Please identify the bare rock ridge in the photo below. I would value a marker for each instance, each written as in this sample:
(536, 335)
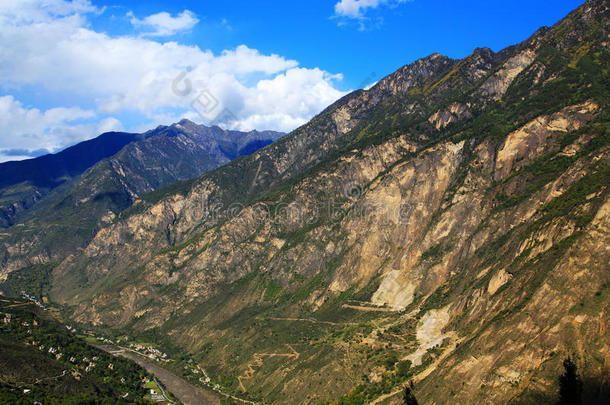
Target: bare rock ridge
(449, 227)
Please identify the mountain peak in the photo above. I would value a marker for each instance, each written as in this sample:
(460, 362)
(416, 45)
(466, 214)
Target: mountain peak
(482, 51)
(432, 60)
(413, 74)
(432, 56)
(187, 124)
(186, 121)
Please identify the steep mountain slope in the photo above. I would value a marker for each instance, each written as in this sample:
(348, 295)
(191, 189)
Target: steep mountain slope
(69, 215)
(448, 226)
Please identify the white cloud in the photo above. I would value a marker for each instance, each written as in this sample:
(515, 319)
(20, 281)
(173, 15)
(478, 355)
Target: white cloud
(34, 11)
(48, 46)
(30, 130)
(354, 8)
(302, 92)
(108, 125)
(357, 9)
(163, 24)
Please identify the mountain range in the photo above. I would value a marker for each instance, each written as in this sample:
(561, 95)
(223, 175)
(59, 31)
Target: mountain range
(55, 203)
(445, 230)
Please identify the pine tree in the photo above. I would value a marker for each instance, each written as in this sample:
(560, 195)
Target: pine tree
(570, 385)
(407, 395)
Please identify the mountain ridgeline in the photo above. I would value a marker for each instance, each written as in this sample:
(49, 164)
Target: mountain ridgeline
(50, 170)
(447, 228)
(23, 183)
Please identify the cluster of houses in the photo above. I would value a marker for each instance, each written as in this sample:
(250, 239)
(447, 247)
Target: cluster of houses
(33, 299)
(150, 352)
(153, 393)
(91, 362)
(205, 379)
(6, 318)
(88, 364)
(56, 351)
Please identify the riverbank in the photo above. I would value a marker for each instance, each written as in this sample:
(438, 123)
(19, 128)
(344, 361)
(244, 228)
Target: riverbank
(186, 393)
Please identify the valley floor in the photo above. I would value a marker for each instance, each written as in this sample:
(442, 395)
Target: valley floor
(185, 392)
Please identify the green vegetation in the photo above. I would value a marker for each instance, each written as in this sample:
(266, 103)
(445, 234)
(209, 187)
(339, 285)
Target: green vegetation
(578, 193)
(538, 173)
(434, 253)
(365, 393)
(314, 283)
(593, 304)
(408, 398)
(272, 290)
(33, 280)
(54, 366)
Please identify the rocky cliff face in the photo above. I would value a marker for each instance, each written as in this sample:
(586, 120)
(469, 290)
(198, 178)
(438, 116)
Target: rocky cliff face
(448, 226)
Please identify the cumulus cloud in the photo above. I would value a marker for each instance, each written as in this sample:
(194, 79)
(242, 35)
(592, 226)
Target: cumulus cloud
(163, 24)
(27, 132)
(50, 47)
(357, 9)
(33, 11)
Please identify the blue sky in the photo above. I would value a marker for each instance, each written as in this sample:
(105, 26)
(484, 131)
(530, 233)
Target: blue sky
(70, 69)
(391, 36)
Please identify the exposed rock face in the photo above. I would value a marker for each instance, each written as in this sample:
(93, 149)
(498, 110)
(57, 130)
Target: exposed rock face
(399, 206)
(430, 333)
(536, 137)
(497, 281)
(454, 215)
(413, 75)
(16, 201)
(454, 113)
(497, 84)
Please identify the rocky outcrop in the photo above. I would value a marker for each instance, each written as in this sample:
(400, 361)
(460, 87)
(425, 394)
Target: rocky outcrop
(495, 86)
(455, 112)
(538, 137)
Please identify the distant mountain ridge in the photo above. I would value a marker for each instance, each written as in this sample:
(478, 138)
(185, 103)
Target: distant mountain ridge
(53, 169)
(24, 183)
(53, 217)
